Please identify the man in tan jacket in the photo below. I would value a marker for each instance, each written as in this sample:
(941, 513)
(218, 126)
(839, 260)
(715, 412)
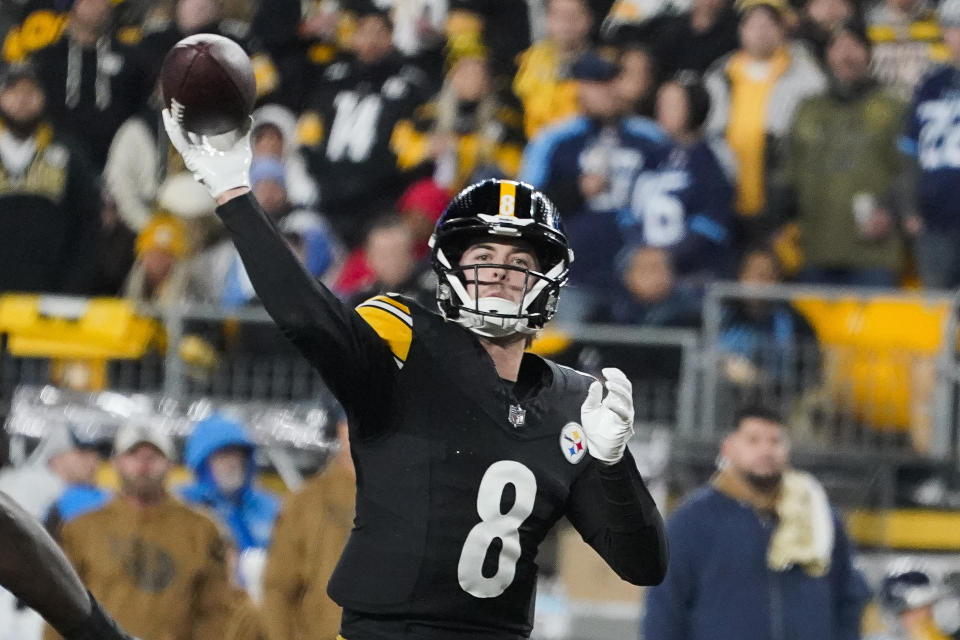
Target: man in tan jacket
(158, 566)
(307, 540)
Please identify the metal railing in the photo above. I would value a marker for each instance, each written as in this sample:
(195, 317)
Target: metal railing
(692, 397)
(865, 386)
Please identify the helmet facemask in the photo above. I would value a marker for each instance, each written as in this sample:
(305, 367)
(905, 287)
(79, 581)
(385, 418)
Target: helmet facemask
(500, 212)
(494, 316)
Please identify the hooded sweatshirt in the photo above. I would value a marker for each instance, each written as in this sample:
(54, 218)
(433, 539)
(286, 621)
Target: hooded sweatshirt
(249, 513)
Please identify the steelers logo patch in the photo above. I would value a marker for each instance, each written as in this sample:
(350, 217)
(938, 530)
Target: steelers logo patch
(573, 444)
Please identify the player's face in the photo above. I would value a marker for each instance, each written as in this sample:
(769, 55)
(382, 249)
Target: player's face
(495, 281)
(142, 471)
(758, 450)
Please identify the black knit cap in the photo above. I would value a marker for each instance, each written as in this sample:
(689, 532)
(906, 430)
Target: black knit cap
(13, 71)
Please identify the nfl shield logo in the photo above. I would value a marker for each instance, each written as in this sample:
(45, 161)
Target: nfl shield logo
(517, 415)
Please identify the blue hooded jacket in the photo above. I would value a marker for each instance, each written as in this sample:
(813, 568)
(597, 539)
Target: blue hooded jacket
(251, 513)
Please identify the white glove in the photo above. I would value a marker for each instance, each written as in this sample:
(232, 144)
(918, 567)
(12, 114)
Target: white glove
(220, 162)
(608, 422)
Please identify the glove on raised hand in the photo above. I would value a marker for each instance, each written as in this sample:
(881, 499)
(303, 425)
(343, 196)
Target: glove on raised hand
(220, 162)
(608, 422)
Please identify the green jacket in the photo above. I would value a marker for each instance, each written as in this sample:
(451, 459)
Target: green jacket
(840, 147)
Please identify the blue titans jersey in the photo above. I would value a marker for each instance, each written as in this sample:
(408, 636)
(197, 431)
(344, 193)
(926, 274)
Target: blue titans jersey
(932, 135)
(685, 206)
(554, 161)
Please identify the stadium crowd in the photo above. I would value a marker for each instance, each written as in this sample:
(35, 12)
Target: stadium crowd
(676, 140)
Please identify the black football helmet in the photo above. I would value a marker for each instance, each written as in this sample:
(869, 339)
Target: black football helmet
(500, 209)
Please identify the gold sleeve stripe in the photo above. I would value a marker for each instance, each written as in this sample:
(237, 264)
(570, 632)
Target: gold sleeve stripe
(391, 324)
(396, 304)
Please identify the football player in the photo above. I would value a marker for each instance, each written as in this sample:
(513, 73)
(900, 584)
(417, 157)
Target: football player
(467, 448)
(35, 570)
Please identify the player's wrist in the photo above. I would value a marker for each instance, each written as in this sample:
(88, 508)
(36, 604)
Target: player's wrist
(607, 458)
(230, 194)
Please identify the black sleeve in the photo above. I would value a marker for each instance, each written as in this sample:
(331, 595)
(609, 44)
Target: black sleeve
(35, 570)
(54, 522)
(354, 361)
(99, 626)
(615, 514)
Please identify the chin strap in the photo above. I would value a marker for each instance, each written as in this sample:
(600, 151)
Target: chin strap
(498, 326)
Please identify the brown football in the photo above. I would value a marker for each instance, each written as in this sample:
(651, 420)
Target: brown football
(208, 84)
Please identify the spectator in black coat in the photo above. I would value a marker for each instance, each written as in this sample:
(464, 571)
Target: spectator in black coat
(49, 204)
(93, 82)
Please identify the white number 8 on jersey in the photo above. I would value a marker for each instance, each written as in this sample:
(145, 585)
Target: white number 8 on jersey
(494, 524)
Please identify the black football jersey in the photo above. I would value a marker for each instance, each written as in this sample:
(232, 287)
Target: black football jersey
(359, 106)
(458, 480)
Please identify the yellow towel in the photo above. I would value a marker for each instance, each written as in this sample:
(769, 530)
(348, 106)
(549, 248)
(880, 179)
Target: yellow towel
(804, 534)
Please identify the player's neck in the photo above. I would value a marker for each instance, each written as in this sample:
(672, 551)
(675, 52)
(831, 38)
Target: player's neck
(506, 353)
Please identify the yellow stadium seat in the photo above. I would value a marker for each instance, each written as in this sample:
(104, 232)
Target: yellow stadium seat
(550, 342)
(879, 356)
(58, 327)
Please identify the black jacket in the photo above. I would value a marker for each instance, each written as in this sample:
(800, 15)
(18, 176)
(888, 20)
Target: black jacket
(49, 220)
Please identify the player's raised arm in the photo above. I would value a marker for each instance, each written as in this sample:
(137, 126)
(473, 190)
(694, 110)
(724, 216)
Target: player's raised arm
(610, 505)
(353, 360)
(34, 569)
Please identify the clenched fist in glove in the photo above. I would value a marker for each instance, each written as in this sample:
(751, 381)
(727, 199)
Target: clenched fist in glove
(220, 163)
(608, 422)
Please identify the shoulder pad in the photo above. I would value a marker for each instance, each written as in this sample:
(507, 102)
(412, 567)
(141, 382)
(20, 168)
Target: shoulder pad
(392, 321)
